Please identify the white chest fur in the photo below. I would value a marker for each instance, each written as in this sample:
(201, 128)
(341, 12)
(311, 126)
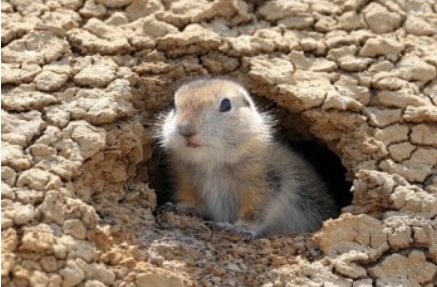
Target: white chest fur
(217, 188)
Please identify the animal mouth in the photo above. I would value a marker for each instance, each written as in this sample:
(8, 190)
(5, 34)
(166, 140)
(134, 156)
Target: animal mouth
(192, 144)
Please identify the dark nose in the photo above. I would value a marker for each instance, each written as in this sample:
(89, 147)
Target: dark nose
(187, 129)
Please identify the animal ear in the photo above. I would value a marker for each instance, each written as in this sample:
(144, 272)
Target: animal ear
(246, 101)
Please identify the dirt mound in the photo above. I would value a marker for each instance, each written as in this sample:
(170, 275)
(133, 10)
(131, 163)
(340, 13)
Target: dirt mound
(83, 81)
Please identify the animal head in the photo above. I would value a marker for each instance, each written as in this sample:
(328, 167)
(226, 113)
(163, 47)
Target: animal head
(213, 120)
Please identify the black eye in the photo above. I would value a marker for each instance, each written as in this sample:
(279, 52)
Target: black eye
(225, 105)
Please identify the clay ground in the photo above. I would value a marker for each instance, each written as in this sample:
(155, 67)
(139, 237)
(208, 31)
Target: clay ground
(83, 81)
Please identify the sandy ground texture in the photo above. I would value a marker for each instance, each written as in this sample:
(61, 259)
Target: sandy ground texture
(82, 80)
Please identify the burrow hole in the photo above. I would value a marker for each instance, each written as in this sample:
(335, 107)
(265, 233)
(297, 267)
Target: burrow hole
(290, 129)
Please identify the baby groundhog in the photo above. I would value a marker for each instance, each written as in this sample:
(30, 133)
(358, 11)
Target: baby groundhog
(229, 169)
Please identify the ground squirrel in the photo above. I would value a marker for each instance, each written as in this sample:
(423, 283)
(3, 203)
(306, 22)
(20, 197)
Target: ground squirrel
(228, 167)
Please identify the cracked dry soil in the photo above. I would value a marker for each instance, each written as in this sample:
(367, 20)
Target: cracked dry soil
(82, 81)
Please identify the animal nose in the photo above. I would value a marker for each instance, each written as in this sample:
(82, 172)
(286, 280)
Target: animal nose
(187, 129)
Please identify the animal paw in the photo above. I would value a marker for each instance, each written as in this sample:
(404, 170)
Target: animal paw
(241, 232)
(177, 209)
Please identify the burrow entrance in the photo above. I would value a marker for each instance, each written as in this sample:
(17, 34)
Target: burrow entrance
(292, 130)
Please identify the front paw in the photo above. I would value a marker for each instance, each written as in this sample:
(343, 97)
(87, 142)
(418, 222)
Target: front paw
(236, 231)
(177, 209)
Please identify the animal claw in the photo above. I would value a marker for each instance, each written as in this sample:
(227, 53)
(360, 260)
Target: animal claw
(179, 210)
(243, 233)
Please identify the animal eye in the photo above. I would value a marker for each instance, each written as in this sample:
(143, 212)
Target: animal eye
(225, 105)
